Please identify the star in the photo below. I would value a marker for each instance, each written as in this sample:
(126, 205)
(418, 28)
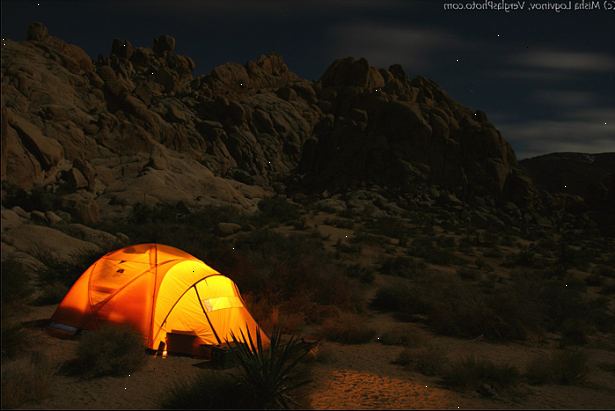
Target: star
(605, 123)
(457, 60)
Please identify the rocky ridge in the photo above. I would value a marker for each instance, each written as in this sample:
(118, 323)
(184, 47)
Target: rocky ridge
(138, 127)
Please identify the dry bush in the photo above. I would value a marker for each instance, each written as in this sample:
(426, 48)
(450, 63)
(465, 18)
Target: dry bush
(26, 380)
(562, 367)
(401, 335)
(15, 286)
(429, 360)
(109, 350)
(210, 390)
(348, 329)
(474, 373)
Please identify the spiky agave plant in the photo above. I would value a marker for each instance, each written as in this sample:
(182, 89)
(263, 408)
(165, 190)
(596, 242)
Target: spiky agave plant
(269, 372)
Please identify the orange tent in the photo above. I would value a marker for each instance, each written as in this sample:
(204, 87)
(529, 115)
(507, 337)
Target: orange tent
(158, 290)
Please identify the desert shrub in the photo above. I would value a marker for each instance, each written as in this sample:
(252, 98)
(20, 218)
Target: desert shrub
(15, 285)
(340, 222)
(446, 242)
(574, 332)
(277, 209)
(467, 273)
(608, 367)
(38, 198)
(608, 289)
(320, 353)
(362, 237)
(210, 390)
(26, 380)
(424, 247)
(523, 258)
(405, 267)
(538, 370)
(14, 338)
(482, 265)
(400, 336)
(455, 308)
(268, 264)
(492, 252)
(430, 360)
(348, 329)
(604, 271)
(472, 373)
(51, 293)
(402, 298)
(361, 273)
(469, 314)
(110, 350)
(560, 302)
(60, 274)
(389, 227)
(67, 270)
(594, 280)
(562, 367)
(270, 373)
(579, 257)
(344, 247)
(465, 244)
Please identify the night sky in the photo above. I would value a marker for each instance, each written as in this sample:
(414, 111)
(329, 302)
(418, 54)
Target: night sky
(546, 79)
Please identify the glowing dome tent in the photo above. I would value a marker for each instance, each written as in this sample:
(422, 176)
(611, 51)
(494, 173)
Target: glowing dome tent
(158, 290)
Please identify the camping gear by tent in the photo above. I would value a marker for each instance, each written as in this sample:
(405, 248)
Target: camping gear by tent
(160, 291)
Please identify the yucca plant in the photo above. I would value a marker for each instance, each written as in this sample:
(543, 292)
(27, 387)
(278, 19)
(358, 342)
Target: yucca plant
(270, 372)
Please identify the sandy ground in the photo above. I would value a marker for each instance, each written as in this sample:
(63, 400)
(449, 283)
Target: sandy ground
(349, 377)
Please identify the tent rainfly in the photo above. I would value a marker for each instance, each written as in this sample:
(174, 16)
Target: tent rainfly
(157, 290)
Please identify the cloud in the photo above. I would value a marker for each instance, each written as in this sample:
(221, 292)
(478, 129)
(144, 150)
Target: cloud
(583, 131)
(384, 45)
(531, 74)
(565, 98)
(565, 60)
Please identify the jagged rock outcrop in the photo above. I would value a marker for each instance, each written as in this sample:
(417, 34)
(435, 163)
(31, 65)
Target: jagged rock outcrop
(384, 128)
(138, 126)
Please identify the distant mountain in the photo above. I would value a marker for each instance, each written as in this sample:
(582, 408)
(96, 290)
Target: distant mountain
(574, 176)
(590, 176)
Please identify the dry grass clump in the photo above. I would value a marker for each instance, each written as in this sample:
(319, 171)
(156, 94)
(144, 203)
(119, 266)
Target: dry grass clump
(562, 367)
(479, 374)
(428, 360)
(110, 350)
(26, 380)
(348, 329)
(401, 335)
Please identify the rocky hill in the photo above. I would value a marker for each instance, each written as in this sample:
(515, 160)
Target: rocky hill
(590, 176)
(137, 125)
(84, 141)
(579, 182)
